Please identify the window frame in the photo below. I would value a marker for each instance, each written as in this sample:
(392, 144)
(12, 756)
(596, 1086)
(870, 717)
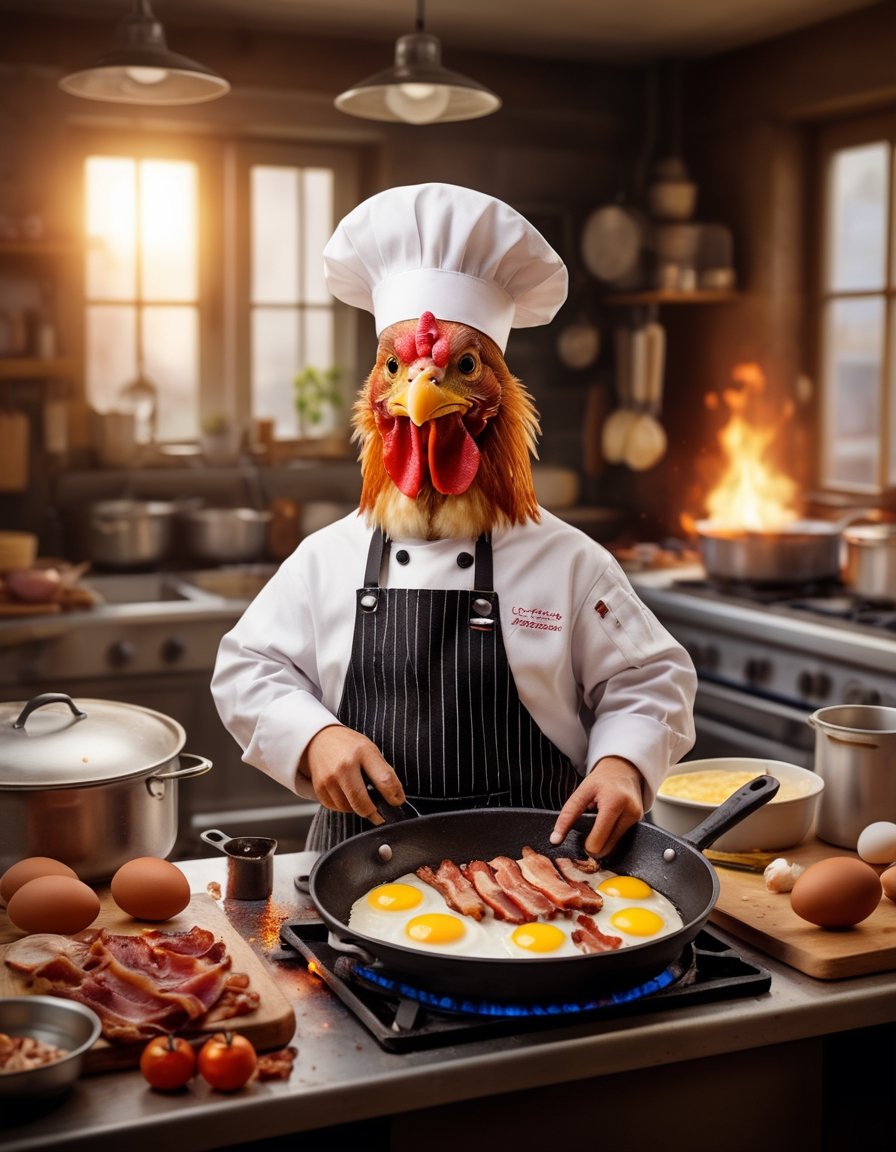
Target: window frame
(223, 166)
(832, 138)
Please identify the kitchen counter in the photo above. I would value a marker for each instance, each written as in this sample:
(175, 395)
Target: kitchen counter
(792, 1067)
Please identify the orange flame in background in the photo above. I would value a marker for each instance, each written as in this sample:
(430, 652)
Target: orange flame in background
(752, 494)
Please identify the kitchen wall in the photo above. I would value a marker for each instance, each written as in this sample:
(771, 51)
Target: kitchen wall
(568, 138)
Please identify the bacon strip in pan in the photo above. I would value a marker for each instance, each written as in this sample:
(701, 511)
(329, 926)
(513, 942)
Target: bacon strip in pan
(539, 870)
(589, 938)
(503, 906)
(511, 879)
(457, 891)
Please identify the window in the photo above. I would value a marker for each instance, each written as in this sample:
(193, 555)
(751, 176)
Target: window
(857, 318)
(204, 286)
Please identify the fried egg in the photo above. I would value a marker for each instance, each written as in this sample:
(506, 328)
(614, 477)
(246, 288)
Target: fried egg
(410, 913)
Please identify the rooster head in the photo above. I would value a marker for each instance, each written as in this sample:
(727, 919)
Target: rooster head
(446, 434)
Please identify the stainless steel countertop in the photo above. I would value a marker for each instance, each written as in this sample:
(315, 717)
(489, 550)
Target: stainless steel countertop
(342, 1075)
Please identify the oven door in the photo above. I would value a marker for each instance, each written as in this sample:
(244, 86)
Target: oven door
(732, 722)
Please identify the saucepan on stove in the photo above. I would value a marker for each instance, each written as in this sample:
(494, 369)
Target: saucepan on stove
(804, 552)
(92, 783)
(674, 866)
(870, 567)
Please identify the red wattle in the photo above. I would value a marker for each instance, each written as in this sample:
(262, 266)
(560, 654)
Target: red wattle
(403, 455)
(453, 455)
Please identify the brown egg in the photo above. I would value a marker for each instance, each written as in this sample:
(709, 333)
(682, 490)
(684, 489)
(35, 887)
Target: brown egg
(28, 869)
(888, 882)
(57, 904)
(837, 892)
(150, 888)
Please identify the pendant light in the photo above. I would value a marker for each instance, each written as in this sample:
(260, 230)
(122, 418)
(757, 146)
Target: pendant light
(417, 89)
(141, 69)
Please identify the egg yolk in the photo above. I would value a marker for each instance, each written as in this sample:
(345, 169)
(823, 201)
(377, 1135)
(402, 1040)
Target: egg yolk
(538, 937)
(394, 898)
(637, 921)
(435, 928)
(626, 887)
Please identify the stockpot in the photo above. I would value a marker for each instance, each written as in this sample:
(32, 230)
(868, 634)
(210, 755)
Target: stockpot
(130, 533)
(92, 783)
(855, 755)
(869, 568)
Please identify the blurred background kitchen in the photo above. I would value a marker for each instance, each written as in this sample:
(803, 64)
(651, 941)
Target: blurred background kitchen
(176, 383)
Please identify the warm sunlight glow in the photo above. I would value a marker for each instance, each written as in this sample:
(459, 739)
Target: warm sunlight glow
(168, 229)
(752, 494)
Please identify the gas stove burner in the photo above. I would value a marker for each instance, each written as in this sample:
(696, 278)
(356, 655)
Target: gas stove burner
(708, 970)
(381, 981)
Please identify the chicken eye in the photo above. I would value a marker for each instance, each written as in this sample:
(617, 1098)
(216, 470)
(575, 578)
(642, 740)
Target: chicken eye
(467, 363)
(391, 365)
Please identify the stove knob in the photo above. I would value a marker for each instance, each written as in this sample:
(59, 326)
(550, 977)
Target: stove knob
(758, 670)
(121, 654)
(705, 656)
(814, 684)
(173, 649)
(858, 694)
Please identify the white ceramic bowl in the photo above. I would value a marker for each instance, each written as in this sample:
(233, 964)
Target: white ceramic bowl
(781, 823)
(63, 1023)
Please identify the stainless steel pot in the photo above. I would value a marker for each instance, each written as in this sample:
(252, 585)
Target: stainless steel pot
(869, 568)
(227, 535)
(805, 551)
(129, 533)
(92, 783)
(855, 755)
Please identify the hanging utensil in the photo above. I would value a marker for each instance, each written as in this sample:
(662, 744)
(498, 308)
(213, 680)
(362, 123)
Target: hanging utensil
(616, 427)
(646, 441)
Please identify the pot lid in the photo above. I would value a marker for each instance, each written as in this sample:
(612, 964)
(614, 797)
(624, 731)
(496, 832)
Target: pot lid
(53, 741)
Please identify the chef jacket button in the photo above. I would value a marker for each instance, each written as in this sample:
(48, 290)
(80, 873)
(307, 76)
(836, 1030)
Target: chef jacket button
(402, 557)
(464, 560)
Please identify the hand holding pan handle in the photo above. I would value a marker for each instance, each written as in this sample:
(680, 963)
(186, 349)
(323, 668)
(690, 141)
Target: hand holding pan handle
(391, 813)
(745, 800)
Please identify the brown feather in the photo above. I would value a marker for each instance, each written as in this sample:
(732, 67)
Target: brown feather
(502, 492)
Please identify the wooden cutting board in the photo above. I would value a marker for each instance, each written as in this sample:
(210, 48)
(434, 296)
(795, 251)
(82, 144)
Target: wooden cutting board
(764, 919)
(272, 1025)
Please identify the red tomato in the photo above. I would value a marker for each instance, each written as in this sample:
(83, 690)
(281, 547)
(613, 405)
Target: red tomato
(167, 1062)
(227, 1061)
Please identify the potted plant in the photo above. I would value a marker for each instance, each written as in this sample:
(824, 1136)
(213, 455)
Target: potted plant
(220, 439)
(316, 394)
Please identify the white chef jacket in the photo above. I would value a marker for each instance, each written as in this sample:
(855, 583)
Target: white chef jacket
(594, 667)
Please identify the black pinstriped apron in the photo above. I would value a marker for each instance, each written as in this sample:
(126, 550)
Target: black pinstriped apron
(429, 683)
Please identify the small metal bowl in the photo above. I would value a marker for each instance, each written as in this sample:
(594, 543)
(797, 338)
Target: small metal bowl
(64, 1023)
(782, 823)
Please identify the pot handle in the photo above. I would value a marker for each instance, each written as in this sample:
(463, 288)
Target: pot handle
(201, 766)
(338, 944)
(48, 698)
(745, 800)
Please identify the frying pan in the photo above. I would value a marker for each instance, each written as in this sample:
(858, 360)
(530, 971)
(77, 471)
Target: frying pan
(674, 866)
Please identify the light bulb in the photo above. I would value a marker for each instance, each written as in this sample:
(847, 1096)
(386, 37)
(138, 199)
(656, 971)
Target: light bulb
(146, 75)
(418, 103)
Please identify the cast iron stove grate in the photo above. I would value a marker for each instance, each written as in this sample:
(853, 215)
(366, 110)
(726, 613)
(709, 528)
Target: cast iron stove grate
(403, 1018)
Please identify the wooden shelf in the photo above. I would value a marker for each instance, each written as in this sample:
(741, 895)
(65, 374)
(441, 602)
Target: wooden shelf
(32, 368)
(665, 296)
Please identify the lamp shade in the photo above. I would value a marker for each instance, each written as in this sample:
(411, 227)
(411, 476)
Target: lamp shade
(141, 69)
(417, 89)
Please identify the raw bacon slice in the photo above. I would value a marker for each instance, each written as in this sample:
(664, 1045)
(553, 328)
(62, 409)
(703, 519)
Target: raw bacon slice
(532, 902)
(589, 938)
(539, 870)
(456, 890)
(503, 906)
(139, 985)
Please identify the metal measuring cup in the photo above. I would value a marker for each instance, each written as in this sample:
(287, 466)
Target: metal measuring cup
(250, 863)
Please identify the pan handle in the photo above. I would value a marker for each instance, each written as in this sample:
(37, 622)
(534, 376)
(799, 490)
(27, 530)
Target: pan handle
(736, 808)
(391, 813)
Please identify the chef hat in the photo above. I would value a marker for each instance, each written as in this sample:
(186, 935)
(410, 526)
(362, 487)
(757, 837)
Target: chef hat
(440, 248)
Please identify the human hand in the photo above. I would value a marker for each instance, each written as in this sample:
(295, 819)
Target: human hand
(613, 789)
(339, 761)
